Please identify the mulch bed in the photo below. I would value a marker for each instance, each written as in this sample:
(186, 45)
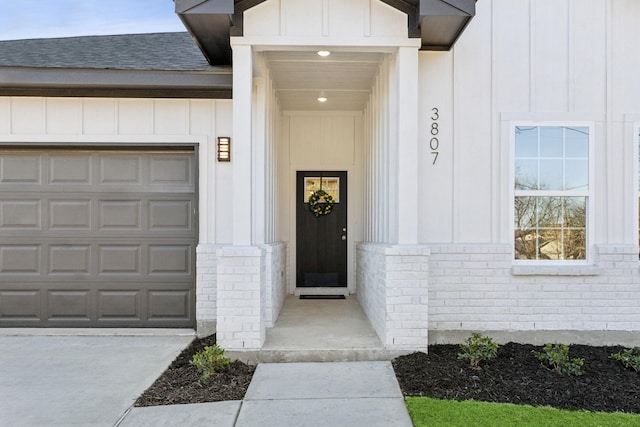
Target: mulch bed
(517, 376)
(514, 376)
(181, 383)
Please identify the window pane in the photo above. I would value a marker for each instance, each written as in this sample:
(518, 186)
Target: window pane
(577, 142)
(575, 209)
(526, 175)
(525, 244)
(526, 142)
(577, 175)
(574, 244)
(525, 213)
(549, 211)
(550, 244)
(551, 175)
(551, 142)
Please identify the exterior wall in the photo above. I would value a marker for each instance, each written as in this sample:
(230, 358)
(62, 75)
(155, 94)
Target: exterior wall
(393, 291)
(538, 61)
(111, 121)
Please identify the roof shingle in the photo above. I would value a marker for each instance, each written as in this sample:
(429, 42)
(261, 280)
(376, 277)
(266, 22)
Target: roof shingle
(158, 51)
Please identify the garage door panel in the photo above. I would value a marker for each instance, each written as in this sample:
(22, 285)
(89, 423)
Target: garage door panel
(20, 214)
(170, 215)
(70, 214)
(70, 169)
(119, 169)
(97, 238)
(120, 305)
(166, 171)
(20, 259)
(168, 305)
(120, 214)
(69, 259)
(22, 169)
(170, 259)
(69, 304)
(20, 305)
(120, 259)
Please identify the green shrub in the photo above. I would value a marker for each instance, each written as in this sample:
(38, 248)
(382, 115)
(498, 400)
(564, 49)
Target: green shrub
(556, 356)
(477, 349)
(209, 360)
(630, 358)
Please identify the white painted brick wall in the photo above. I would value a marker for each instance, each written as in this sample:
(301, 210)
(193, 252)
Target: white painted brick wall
(476, 287)
(206, 290)
(393, 291)
(240, 316)
(275, 281)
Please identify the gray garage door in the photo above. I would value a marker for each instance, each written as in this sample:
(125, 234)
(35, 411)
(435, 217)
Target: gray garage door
(97, 237)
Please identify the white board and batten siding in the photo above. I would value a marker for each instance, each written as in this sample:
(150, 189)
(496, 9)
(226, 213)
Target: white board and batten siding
(538, 61)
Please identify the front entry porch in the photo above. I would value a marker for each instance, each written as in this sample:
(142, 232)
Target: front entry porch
(320, 330)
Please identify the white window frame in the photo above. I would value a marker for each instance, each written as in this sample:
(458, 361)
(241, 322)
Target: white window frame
(589, 223)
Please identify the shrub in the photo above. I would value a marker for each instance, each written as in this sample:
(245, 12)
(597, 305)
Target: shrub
(630, 358)
(556, 356)
(477, 349)
(209, 360)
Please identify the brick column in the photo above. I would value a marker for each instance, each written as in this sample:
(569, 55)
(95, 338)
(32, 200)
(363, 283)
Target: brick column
(241, 324)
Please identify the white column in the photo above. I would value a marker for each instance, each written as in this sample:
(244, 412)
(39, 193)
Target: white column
(408, 152)
(241, 143)
(260, 202)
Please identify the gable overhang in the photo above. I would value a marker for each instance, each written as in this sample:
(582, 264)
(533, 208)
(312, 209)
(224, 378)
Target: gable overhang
(211, 23)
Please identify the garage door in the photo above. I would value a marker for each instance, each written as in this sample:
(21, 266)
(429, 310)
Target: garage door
(97, 238)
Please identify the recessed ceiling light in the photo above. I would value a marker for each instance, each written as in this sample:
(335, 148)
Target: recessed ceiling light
(324, 53)
(322, 99)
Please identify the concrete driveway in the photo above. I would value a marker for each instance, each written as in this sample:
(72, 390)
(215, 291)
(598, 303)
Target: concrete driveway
(88, 380)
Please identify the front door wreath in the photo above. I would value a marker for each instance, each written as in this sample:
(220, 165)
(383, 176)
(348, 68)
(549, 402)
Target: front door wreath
(320, 203)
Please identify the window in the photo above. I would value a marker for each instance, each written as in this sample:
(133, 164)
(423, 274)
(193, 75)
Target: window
(551, 192)
(329, 184)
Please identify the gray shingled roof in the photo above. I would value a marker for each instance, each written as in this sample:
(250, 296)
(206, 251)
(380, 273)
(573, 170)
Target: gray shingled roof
(160, 51)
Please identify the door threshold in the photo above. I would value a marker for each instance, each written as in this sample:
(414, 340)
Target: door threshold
(322, 291)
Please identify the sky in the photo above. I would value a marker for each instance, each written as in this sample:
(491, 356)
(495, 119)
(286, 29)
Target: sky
(29, 19)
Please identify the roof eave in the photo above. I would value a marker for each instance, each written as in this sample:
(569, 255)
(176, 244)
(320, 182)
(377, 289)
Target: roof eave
(25, 81)
(442, 22)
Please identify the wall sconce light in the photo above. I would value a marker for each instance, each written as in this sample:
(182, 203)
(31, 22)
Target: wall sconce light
(224, 149)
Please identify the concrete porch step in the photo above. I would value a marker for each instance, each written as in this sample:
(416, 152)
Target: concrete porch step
(316, 355)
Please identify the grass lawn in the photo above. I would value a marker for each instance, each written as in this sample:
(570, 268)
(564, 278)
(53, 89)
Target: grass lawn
(434, 412)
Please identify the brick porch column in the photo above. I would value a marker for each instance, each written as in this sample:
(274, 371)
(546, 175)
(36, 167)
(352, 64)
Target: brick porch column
(240, 324)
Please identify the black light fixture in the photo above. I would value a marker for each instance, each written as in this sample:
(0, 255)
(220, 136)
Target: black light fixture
(224, 149)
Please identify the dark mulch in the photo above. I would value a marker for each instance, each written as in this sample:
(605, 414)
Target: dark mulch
(516, 376)
(180, 383)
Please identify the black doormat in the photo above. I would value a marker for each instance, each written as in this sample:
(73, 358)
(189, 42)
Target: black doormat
(321, 296)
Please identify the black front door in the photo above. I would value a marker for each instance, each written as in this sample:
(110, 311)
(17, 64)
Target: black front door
(321, 242)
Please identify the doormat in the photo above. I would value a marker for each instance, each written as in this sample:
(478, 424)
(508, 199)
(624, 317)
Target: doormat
(322, 297)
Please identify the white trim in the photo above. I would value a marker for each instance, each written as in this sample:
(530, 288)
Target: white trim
(377, 44)
(636, 177)
(590, 223)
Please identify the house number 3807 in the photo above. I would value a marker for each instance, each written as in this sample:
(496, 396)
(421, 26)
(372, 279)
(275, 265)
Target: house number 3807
(434, 142)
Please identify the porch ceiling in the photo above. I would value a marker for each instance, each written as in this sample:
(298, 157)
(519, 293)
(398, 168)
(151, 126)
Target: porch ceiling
(344, 78)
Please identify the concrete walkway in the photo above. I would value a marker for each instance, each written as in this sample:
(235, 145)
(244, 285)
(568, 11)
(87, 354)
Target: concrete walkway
(297, 394)
(93, 380)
